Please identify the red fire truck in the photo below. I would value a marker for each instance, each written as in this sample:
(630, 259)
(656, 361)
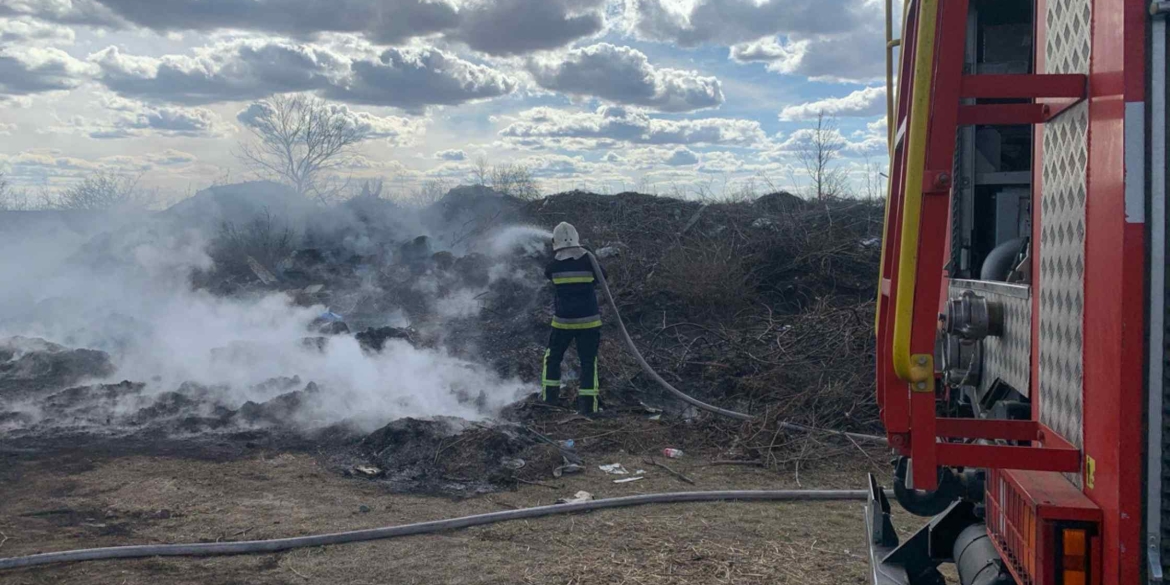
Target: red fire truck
(1022, 350)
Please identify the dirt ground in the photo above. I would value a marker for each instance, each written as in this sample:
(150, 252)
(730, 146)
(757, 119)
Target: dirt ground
(79, 500)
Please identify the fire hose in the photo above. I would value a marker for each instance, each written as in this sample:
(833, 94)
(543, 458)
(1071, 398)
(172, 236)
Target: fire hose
(281, 544)
(682, 395)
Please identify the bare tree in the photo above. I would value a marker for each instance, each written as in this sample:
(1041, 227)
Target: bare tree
(8, 196)
(297, 139)
(515, 180)
(817, 155)
(482, 172)
(101, 190)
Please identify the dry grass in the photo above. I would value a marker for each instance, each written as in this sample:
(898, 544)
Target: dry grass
(63, 504)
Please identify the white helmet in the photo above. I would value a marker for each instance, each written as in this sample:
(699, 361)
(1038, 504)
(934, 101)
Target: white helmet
(566, 243)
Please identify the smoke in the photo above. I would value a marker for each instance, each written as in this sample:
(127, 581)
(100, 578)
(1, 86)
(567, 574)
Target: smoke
(123, 285)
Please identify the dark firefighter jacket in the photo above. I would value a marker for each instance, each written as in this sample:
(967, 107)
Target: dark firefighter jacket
(576, 300)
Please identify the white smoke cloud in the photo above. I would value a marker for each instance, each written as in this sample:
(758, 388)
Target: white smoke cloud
(126, 291)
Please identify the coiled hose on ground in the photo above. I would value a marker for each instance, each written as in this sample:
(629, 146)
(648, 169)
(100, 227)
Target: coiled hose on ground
(282, 544)
(679, 393)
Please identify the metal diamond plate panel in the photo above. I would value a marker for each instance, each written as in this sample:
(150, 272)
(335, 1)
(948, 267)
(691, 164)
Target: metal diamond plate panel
(1007, 357)
(1062, 230)
(1068, 45)
(1062, 272)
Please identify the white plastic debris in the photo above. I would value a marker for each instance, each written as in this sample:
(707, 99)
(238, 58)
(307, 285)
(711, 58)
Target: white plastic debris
(629, 479)
(367, 470)
(581, 496)
(512, 463)
(313, 289)
(614, 469)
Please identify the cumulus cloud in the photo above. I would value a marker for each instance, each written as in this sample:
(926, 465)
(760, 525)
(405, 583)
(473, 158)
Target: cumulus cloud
(497, 27)
(869, 101)
(229, 71)
(726, 22)
(451, 155)
(813, 38)
(623, 75)
(682, 157)
(27, 70)
(824, 58)
(620, 124)
(410, 79)
(25, 30)
(43, 165)
(516, 27)
(84, 12)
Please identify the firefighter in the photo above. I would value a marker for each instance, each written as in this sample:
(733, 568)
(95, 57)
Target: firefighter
(576, 317)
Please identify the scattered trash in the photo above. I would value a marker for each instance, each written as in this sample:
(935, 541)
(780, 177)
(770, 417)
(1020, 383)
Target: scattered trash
(567, 468)
(581, 496)
(614, 469)
(629, 479)
(672, 453)
(313, 289)
(331, 316)
(568, 444)
(650, 409)
(368, 471)
(364, 509)
(871, 242)
(655, 417)
(512, 463)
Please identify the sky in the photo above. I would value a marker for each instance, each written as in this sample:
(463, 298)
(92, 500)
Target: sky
(667, 96)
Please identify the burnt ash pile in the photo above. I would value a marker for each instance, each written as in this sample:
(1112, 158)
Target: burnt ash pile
(450, 456)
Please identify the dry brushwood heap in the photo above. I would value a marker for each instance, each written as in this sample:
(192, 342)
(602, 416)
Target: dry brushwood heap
(765, 306)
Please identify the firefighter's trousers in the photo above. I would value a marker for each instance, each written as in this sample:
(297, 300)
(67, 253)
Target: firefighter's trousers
(558, 343)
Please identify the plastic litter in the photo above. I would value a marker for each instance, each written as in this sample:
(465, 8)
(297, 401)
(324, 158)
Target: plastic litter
(629, 479)
(367, 470)
(331, 316)
(672, 453)
(581, 496)
(614, 469)
(568, 443)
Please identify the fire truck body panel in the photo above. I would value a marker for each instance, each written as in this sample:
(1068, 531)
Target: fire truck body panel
(1081, 342)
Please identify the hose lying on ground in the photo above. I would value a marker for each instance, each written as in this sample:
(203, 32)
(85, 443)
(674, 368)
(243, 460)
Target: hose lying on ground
(679, 393)
(281, 544)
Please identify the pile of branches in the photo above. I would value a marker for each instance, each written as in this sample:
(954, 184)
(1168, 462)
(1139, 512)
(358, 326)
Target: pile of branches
(762, 306)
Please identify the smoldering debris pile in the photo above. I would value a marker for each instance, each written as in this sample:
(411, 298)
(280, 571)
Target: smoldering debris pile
(450, 456)
(291, 318)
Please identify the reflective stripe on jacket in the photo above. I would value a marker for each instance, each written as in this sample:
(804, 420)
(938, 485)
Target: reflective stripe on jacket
(575, 304)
